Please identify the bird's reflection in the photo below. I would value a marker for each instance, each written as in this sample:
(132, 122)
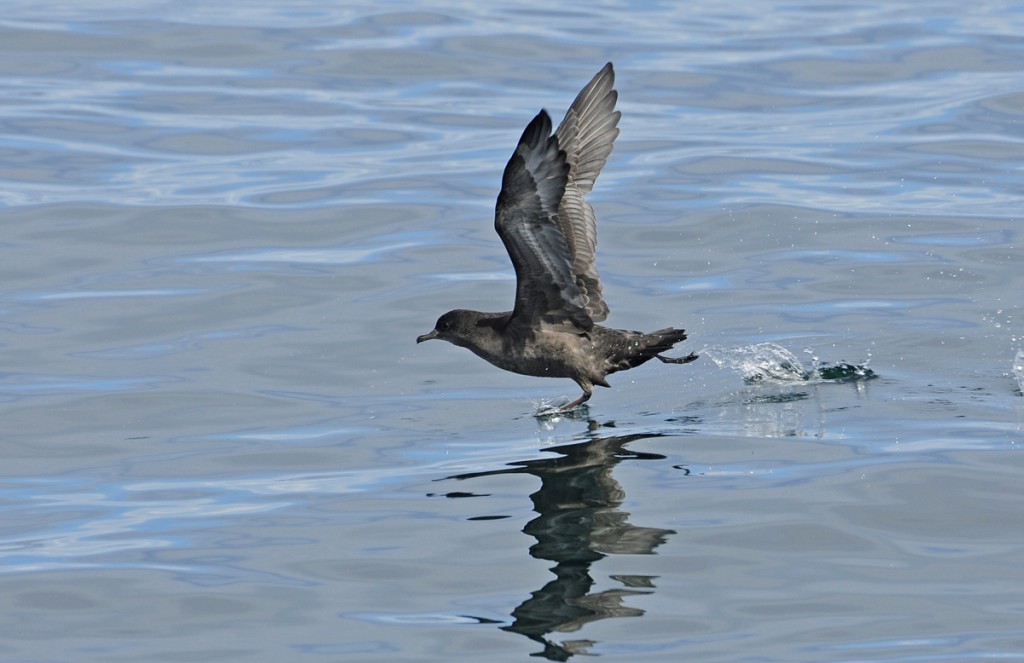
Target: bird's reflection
(579, 523)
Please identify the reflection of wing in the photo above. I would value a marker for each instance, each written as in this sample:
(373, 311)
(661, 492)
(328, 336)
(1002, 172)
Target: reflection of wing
(586, 134)
(579, 521)
(526, 218)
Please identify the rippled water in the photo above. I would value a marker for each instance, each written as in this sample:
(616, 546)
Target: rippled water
(225, 223)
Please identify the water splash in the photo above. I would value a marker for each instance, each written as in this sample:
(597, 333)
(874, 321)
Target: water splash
(550, 411)
(1018, 370)
(771, 363)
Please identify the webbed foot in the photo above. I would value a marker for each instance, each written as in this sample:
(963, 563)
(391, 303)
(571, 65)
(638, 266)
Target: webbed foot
(679, 360)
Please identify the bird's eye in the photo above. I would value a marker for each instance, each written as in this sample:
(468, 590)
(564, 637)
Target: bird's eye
(444, 326)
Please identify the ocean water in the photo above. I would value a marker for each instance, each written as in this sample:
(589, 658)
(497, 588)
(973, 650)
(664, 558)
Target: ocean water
(224, 224)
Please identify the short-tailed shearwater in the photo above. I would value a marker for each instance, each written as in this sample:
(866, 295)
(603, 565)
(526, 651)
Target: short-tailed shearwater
(550, 234)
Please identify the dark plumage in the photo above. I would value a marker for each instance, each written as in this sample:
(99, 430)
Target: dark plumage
(550, 233)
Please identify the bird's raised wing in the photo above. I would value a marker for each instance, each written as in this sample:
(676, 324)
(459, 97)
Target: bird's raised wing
(586, 134)
(526, 218)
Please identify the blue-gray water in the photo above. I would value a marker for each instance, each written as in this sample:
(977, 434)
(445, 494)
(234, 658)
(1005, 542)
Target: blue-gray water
(224, 224)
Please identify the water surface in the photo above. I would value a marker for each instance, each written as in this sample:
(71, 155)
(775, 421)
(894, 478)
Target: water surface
(224, 226)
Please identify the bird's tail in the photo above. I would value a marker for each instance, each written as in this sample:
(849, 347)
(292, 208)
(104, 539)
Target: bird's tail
(662, 340)
(639, 348)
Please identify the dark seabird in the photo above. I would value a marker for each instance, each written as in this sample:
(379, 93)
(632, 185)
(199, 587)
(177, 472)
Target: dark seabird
(550, 233)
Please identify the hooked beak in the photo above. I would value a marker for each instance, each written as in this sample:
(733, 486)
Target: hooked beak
(426, 337)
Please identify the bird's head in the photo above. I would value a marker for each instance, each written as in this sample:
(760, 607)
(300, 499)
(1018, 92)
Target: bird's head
(456, 327)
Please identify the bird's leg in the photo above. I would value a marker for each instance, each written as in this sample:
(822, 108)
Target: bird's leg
(679, 360)
(587, 391)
